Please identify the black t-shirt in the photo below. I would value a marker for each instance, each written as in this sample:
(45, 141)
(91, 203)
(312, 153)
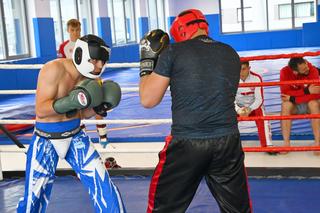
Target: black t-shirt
(204, 76)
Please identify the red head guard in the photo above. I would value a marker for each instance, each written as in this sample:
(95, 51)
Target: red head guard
(187, 23)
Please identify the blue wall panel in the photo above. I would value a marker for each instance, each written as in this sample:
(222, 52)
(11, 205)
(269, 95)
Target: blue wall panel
(311, 34)
(21, 79)
(128, 53)
(143, 26)
(104, 29)
(44, 37)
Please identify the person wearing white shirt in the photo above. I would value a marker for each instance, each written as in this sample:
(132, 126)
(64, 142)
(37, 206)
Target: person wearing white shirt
(249, 102)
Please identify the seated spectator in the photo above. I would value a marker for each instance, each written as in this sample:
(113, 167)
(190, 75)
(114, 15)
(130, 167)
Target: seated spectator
(315, 89)
(249, 102)
(296, 98)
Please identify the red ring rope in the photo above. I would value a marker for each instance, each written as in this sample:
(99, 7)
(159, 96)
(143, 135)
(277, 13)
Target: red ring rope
(259, 84)
(279, 117)
(282, 149)
(278, 56)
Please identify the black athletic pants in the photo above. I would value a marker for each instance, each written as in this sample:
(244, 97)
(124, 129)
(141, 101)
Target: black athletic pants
(184, 162)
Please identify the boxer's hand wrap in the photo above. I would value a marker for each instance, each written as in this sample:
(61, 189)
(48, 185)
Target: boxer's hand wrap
(110, 99)
(102, 131)
(151, 45)
(87, 94)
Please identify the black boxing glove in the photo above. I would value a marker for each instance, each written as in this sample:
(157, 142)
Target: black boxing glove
(151, 45)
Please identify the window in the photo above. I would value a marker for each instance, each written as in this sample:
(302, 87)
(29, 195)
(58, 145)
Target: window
(130, 23)
(156, 14)
(229, 16)
(255, 15)
(13, 30)
(243, 15)
(285, 11)
(304, 9)
(68, 11)
(63, 10)
(264, 15)
(55, 14)
(304, 12)
(84, 16)
(247, 11)
(122, 18)
(279, 15)
(2, 43)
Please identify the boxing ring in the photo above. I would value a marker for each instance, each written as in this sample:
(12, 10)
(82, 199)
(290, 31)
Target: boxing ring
(136, 135)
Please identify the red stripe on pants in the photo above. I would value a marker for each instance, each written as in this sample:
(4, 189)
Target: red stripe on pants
(156, 175)
(260, 126)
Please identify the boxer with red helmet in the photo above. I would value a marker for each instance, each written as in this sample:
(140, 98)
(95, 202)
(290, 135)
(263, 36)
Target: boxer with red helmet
(187, 23)
(203, 75)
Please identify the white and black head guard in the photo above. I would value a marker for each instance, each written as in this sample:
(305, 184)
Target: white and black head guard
(90, 47)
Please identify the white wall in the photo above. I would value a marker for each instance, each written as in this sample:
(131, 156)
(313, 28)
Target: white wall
(206, 6)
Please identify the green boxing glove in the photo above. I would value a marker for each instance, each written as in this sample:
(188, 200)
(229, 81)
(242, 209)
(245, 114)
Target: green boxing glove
(111, 98)
(85, 95)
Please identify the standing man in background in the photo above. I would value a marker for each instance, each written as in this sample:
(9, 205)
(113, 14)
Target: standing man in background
(249, 102)
(74, 30)
(203, 75)
(65, 51)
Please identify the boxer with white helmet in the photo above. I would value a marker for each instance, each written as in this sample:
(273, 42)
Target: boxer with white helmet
(90, 47)
(67, 91)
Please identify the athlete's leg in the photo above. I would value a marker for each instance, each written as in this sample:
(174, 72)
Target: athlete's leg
(182, 164)
(86, 162)
(42, 161)
(226, 178)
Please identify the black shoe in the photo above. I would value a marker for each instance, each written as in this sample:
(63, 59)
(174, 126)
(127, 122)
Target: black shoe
(272, 153)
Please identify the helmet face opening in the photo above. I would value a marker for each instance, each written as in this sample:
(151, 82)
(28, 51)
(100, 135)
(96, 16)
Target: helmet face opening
(99, 53)
(187, 23)
(87, 48)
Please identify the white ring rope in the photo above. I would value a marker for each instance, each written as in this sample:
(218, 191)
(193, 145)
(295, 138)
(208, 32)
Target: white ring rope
(100, 150)
(39, 66)
(125, 121)
(25, 92)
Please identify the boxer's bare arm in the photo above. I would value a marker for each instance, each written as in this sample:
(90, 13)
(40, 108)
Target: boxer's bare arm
(47, 90)
(152, 88)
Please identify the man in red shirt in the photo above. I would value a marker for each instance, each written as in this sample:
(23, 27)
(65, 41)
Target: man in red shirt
(74, 30)
(297, 98)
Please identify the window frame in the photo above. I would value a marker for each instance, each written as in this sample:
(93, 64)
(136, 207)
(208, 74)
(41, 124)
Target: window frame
(113, 28)
(4, 34)
(292, 4)
(157, 14)
(295, 4)
(77, 5)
